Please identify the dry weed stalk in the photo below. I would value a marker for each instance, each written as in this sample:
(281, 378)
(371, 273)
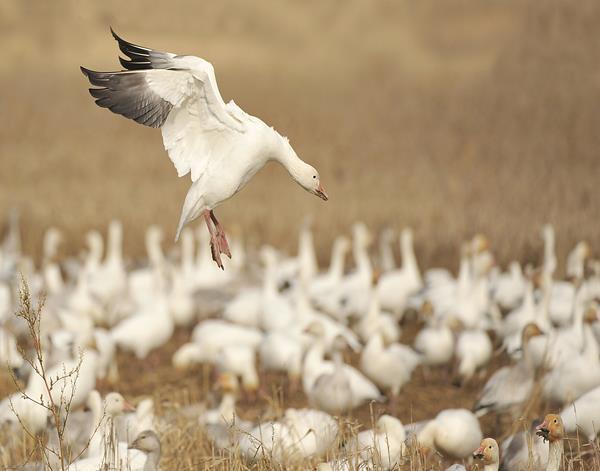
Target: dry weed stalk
(58, 390)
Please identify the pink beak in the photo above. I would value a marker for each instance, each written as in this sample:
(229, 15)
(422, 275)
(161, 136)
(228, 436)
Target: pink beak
(478, 453)
(542, 426)
(127, 407)
(320, 192)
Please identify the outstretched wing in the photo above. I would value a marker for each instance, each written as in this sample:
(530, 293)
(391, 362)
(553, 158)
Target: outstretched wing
(179, 94)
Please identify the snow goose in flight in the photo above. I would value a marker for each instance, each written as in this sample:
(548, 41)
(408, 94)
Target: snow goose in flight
(218, 143)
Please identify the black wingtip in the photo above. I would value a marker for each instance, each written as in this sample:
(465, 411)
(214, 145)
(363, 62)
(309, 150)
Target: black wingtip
(84, 71)
(114, 35)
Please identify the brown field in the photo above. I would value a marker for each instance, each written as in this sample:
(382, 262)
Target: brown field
(451, 117)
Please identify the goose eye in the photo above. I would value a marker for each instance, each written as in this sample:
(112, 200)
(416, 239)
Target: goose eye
(314, 176)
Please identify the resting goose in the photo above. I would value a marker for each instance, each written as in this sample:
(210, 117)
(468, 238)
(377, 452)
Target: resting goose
(453, 432)
(301, 434)
(218, 143)
(381, 447)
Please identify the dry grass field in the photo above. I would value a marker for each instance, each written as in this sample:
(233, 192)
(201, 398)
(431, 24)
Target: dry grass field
(452, 117)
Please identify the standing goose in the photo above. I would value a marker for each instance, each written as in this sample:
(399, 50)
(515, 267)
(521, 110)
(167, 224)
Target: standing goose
(552, 429)
(218, 143)
(510, 386)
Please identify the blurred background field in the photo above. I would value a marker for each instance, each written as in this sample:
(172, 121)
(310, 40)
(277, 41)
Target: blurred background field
(451, 117)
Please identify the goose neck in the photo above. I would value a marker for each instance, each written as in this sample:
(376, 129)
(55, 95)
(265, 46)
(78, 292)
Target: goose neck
(336, 267)
(409, 260)
(555, 453)
(152, 460)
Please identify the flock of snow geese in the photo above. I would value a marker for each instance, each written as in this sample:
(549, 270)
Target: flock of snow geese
(270, 312)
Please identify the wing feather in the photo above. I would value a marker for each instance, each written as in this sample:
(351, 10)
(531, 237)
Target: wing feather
(179, 94)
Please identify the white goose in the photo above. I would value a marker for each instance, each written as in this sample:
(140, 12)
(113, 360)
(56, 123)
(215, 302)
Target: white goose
(301, 434)
(389, 367)
(276, 312)
(109, 282)
(353, 293)
(386, 253)
(221, 145)
(453, 432)
(304, 266)
(578, 372)
(335, 386)
(509, 288)
(150, 327)
(209, 337)
(473, 350)
(510, 386)
(525, 450)
(395, 287)
(489, 453)
(576, 260)
(583, 414)
(322, 285)
(552, 429)
(377, 322)
(381, 447)
(435, 342)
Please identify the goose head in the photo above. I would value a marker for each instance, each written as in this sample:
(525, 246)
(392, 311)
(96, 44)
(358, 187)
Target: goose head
(341, 244)
(227, 383)
(551, 428)
(488, 451)
(302, 173)
(115, 404)
(529, 331)
(147, 441)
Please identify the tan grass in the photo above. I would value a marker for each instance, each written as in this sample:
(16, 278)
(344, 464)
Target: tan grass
(452, 119)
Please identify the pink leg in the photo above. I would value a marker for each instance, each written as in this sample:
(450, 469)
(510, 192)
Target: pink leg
(214, 241)
(223, 245)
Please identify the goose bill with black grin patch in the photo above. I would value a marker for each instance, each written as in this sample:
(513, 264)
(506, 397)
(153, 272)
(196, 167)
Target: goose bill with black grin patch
(544, 433)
